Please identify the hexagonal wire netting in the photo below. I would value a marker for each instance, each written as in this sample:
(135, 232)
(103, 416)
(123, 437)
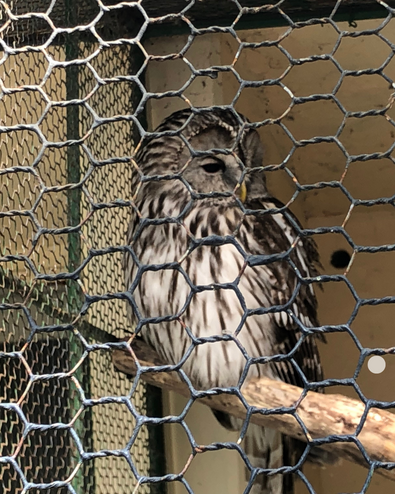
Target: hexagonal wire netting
(79, 81)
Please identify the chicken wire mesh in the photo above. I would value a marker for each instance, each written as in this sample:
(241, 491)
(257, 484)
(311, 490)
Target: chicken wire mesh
(77, 82)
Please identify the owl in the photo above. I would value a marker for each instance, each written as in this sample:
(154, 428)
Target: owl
(219, 275)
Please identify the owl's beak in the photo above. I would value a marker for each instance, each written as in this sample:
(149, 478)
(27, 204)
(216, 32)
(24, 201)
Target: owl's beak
(242, 191)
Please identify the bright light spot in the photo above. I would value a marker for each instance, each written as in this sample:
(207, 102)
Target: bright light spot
(376, 364)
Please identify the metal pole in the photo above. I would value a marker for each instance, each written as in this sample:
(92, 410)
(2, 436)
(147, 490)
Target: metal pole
(83, 481)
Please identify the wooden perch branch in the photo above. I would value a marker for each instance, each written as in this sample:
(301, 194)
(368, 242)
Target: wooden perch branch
(323, 415)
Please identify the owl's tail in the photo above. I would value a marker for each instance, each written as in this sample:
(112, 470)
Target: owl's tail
(269, 449)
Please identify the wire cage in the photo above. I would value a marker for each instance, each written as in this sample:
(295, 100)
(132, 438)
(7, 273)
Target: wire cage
(81, 84)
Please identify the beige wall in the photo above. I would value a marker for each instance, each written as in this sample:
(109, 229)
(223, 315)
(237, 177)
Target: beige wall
(372, 275)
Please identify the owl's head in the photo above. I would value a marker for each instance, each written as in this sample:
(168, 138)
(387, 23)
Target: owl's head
(215, 150)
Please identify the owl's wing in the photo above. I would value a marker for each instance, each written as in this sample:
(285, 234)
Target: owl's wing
(276, 232)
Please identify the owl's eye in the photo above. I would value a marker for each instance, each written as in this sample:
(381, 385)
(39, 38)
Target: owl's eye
(214, 166)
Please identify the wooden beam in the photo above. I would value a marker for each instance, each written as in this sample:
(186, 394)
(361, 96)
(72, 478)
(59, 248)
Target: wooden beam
(323, 415)
(125, 22)
(212, 10)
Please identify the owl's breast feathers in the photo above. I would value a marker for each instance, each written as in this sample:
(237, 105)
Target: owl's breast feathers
(276, 295)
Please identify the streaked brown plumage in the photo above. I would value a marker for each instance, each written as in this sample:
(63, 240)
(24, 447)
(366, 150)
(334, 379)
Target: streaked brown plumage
(189, 191)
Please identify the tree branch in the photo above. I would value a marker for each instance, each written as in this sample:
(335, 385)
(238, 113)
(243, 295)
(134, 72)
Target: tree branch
(322, 415)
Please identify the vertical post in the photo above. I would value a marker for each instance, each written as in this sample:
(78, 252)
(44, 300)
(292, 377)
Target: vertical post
(83, 482)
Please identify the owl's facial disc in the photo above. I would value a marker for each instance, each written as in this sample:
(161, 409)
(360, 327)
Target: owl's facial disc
(214, 165)
(213, 170)
(213, 173)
